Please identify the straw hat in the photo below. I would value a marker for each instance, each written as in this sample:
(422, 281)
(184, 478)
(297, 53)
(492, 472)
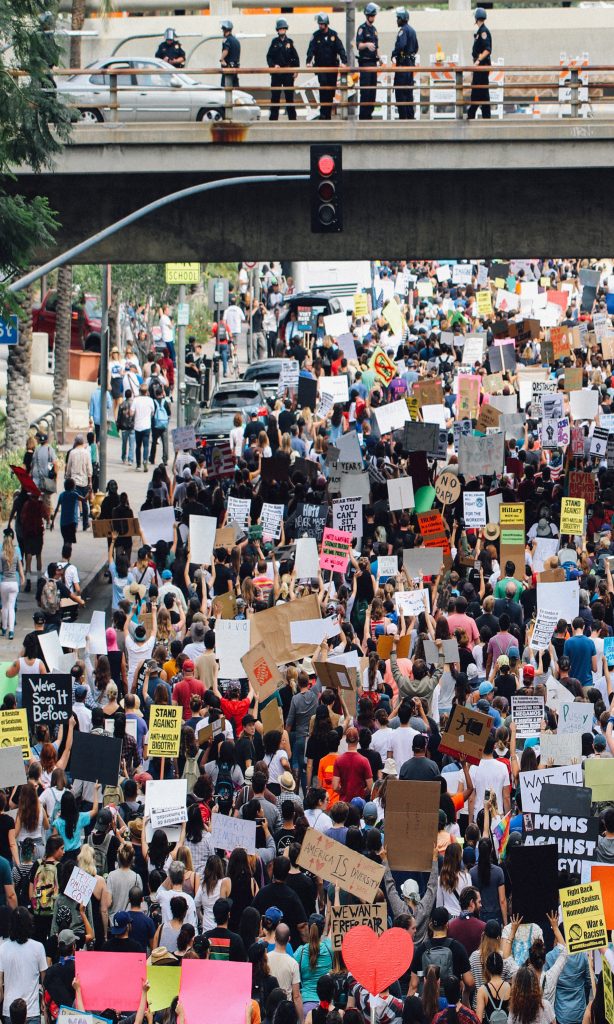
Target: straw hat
(492, 531)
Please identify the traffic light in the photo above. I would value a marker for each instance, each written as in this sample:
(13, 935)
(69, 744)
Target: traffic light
(325, 183)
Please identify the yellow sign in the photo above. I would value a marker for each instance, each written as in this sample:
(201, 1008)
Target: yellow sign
(164, 730)
(413, 406)
(14, 730)
(608, 994)
(182, 273)
(484, 303)
(572, 516)
(583, 915)
(361, 306)
(383, 367)
(511, 515)
(499, 282)
(392, 313)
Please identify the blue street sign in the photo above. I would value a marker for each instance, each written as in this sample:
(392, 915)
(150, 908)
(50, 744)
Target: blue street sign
(9, 330)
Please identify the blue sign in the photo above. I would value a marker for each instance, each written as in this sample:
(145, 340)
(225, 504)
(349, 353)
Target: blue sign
(9, 331)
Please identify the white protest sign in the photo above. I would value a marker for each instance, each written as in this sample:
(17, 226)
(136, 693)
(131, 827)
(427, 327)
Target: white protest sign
(575, 717)
(528, 714)
(473, 349)
(474, 509)
(80, 886)
(202, 539)
(532, 782)
(231, 643)
(184, 439)
(412, 602)
(313, 631)
(584, 405)
(493, 501)
(347, 515)
(325, 405)
(336, 324)
(335, 386)
(462, 273)
(355, 485)
(74, 634)
(545, 547)
(288, 376)
(238, 511)
(307, 559)
(400, 494)
(161, 795)
(233, 833)
(563, 598)
(435, 414)
(162, 817)
(271, 518)
(560, 749)
(392, 416)
(349, 448)
(387, 566)
(97, 636)
(157, 524)
(545, 624)
(52, 649)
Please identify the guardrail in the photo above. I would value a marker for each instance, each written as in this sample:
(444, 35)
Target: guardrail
(48, 422)
(442, 91)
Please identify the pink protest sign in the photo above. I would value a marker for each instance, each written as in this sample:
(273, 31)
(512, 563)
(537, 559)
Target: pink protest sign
(111, 981)
(215, 990)
(335, 550)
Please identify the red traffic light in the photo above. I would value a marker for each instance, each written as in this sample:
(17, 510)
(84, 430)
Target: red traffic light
(326, 165)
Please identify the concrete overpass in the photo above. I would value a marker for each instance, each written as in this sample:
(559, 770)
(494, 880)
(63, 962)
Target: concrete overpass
(416, 190)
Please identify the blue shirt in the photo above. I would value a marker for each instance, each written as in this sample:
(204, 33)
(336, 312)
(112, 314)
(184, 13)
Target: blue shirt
(573, 987)
(69, 502)
(6, 878)
(95, 404)
(580, 650)
(119, 582)
(75, 841)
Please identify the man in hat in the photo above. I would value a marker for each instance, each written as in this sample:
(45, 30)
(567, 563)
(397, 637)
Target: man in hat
(302, 707)
(58, 984)
(170, 50)
(288, 786)
(282, 54)
(421, 962)
(80, 711)
(120, 940)
(419, 767)
(249, 747)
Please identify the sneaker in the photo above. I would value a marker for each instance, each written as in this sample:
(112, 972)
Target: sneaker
(28, 586)
(144, 467)
(11, 636)
(4, 632)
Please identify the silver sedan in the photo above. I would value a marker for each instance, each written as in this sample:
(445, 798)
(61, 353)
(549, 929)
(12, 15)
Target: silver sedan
(154, 92)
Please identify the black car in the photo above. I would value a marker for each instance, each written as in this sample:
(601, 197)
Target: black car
(242, 396)
(266, 372)
(299, 304)
(216, 424)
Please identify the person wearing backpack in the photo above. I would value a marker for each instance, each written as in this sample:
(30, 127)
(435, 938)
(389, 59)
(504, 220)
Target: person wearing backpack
(104, 843)
(456, 1012)
(439, 951)
(125, 424)
(225, 775)
(44, 887)
(223, 336)
(493, 998)
(159, 426)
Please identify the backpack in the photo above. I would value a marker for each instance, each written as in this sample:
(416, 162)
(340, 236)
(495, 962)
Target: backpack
(222, 333)
(497, 1014)
(22, 888)
(56, 810)
(224, 788)
(125, 417)
(128, 814)
(160, 420)
(45, 889)
(441, 957)
(101, 851)
(50, 598)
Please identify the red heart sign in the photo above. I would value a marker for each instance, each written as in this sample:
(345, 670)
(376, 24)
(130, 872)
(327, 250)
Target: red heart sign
(376, 961)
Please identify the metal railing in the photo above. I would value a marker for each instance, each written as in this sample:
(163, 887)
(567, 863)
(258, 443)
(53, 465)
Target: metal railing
(441, 91)
(48, 423)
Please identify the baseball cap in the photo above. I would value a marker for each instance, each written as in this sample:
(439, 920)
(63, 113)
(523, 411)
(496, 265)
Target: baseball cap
(167, 574)
(248, 720)
(484, 706)
(39, 618)
(410, 889)
(472, 671)
(528, 672)
(80, 692)
(188, 665)
(492, 929)
(439, 917)
(357, 801)
(274, 915)
(513, 652)
(122, 920)
(599, 742)
(369, 812)
(503, 660)
(104, 819)
(419, 742)
(485, 688)
(67, 937)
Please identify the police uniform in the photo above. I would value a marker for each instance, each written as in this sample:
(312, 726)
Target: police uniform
(326, 51)
(368, 79)
(405, 50)
(480, 93)
(282, 53)
(170, 50)
(233, 59)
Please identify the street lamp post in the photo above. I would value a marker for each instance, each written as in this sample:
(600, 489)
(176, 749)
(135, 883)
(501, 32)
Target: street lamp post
(104, 374)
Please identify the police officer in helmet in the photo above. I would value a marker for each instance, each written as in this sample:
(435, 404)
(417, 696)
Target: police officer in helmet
(282, 54)
(170, 50)
(404, 56)
(326, 51)
(231, 53)
(367, 44)
(481, 54)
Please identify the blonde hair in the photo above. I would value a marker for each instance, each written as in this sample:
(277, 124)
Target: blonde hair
(86, 861)
(185, 856)
(8, 550)
(111, 692)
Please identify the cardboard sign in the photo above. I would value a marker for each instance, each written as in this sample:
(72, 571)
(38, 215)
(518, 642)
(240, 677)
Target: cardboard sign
(272, 626)
(335, 553)
(534, 874)
(14, 730)
(572, 516)
(528, 714)
(599, 775)
(80, 886)
(164, 985)
(262, 671)
(112, 980)
(12, 768)
(466, 733)
(47, 698)
(209, 731)
(215, 990)
(532, 782)
(565, 800)
(427, 561)
(164, 731)
(560, 749)
(233, 833)
(428, 392)
(122, 527)
(347, 516)
(584, 917)
(582, 485)
(271, 717)
(385, 647)
(489, 417)
(412, 815)
(342, 919)
(384, 368)
(225, 537)
(447, 487)
(95, 759)
(325, 858)
(335, 676)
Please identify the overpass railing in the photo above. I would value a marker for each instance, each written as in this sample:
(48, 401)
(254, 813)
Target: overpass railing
(433, 92)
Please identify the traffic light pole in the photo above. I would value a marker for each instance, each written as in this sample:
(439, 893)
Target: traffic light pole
(104, 376)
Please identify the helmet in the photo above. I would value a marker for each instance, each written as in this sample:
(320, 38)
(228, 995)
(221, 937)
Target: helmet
(281, 23)
(323, 19)
(480, 14)
(226, 26)
(170, 34)
(371, 9)
(402, 14)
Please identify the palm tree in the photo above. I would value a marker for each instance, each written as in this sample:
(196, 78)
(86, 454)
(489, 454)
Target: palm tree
(19, 370)
(63, 324)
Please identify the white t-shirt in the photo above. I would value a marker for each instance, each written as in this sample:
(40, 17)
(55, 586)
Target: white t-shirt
(166, 326)
(492, 775)
(21, 965)
(136, 654)
(286, 970)
(402, 740)
(319, 820)
(381, 742)
(164, 897)
(234, 317)
(144, 409)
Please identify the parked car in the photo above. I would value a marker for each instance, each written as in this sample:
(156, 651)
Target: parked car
(155, 92)
(266, 372)
(85, 325)
(215, 424)
(317, 303)
(238, 395)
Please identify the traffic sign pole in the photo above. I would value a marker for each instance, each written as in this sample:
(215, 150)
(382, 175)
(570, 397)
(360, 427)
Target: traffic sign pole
(180, 348)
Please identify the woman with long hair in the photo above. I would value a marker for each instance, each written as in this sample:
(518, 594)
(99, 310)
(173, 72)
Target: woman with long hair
(31, 820)
(71, 822)
(12, 575)
(495, 993)
(215, 886)
(548, 976)
(243, 886)
(491, 942)
(314, 958)
(527, 1004)
(263, 981)
(102, 677)
(430, 993)
(100, 898)
(250, 928)
(198, 839)
(455, 1013)
(453, 878)
(276, 758)
(489, 880)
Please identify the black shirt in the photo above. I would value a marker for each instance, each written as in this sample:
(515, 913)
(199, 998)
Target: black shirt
(248, 748)
(374, 760)
(286, 420)
(459, 955)
(279, 894)
(226, 945)
(304, 885)
(117, 945)
(223, 575)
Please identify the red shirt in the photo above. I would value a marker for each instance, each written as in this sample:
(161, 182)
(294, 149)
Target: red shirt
(353, 770)
(235, 710)
(183, 692)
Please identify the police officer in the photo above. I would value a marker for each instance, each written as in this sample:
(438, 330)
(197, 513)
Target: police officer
(367, 44)
(231, 52)
(170, 50)
(326, 51)
(481, 54)
(404, 56)
(282, 54)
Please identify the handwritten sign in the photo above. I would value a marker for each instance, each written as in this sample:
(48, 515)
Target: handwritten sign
(325, 858)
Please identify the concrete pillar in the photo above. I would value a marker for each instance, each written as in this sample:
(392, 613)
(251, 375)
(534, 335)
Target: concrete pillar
(460, 5)
(40, 349)
(220, 8)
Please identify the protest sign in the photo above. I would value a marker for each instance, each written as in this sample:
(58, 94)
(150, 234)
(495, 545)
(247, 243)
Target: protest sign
(336, 324)
(411, 602)
(599, 775)
(564, 598)
(271, 517)
(428, 392)
(604, 874)
(373, 915)
(335, 675)
(165, 804)
(584, 917)
(575, 717)
(164, 730)
(275, 468)
(534, 875)
(565, 800)
(157, 524)
(97, 638)
(334, 862)
(420, 437)
(219, 460)
(347, 516)
(112, 980)
(560, 749)
(313, 631)
(572, 516)
(400, 494)
(528, 714)
(271, 715)
(12, 769)
(387, 566)
(262, 671)
(14, 730)
(68, 1015)
(608, 990)
(335, 387)
(335, 553)
(272, 626)
(466, 733)
(239, 510)
(355, 485)
(74, 634)
(95, 758)
(392, 313)
(306, 560)
(310, 520)
(573, 378)
(164, 985)
(427, 561)
(489, 416)
(212, 991)
(47, 698)
(391, 416)
(383, 367)
(474, 509)
(481, 456)
(80, 886)
(582, 485)
(575, 838)
(122, 527)
(232, 833)
(532, 782)
(202, 539)
(232, 641)
(288, 376)
(208, 732)
(361, 305)
(412, 813)
(584, 404)
(447, 487)
(307, 393)
(184, 439)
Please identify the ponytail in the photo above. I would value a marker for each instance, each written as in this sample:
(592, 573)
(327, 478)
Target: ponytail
(314, 946)
(430, 993)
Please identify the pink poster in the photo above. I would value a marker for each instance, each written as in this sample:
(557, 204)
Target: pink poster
(215, 990)
(111, 981)
(335, 550)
